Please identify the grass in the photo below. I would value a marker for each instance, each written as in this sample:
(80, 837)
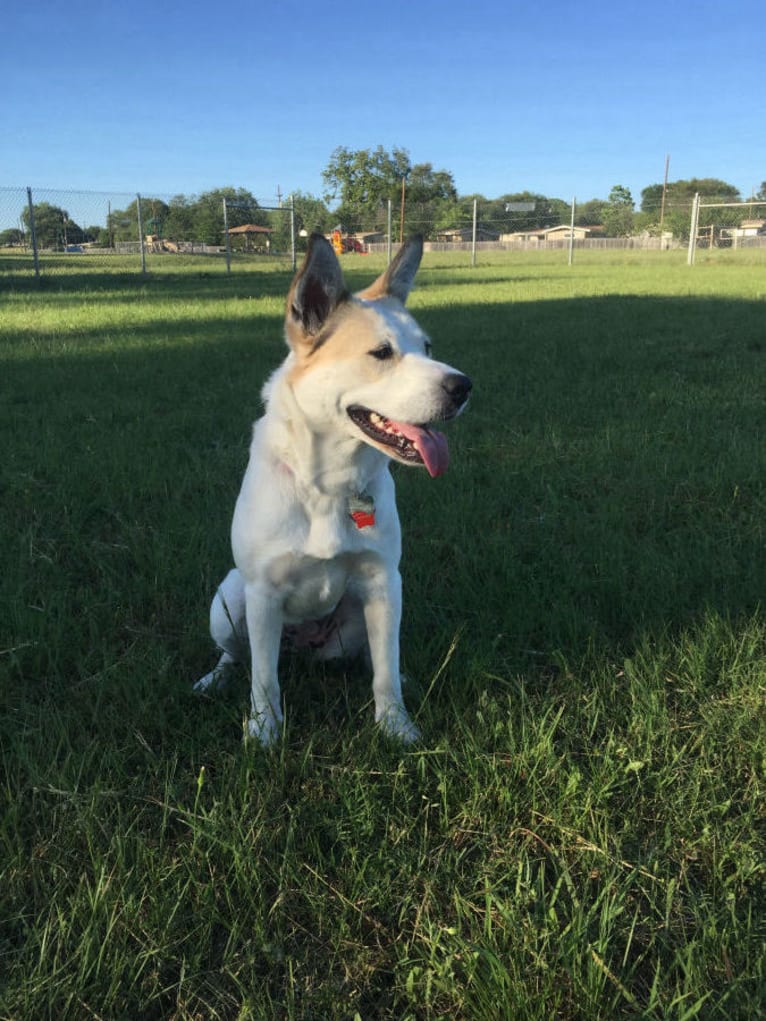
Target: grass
(580, 834)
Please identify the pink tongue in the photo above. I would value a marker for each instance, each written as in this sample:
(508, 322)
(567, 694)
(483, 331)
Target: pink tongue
(430, 444)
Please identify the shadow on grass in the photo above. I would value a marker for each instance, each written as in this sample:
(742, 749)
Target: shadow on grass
(65, 278)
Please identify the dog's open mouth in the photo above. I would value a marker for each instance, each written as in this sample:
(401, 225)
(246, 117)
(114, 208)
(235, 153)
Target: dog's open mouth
(413, 444)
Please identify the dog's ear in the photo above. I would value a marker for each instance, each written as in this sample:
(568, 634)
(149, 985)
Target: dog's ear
(316, 291)
(398, 278)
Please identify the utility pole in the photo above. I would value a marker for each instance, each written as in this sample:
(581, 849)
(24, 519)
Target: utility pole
(473, 232)
(401, 226)
(664, 193)
(389, 239)
(693, 227)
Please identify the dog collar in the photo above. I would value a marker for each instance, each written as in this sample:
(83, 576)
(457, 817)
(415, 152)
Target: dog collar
(361, 509)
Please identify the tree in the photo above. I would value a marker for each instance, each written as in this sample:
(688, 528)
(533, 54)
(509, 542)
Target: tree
(617, 215)
(207, 213)
(362, 181)
(11, 238)
(179, 224)
(681, 193)
(123, 223)
(546, 212)
(430, 198)
(54, 227)
(425, 185)
(200, 217)
(590, 213)
(678, 202)
(311, 214)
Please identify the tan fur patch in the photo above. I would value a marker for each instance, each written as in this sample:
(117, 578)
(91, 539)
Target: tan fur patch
(351, 332)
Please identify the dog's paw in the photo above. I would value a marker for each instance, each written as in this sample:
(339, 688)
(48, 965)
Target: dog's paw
(208, 684)
(397, 725)
(263, 728)
(216, 681)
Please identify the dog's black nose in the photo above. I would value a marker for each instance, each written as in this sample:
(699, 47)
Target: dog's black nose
(457, 386)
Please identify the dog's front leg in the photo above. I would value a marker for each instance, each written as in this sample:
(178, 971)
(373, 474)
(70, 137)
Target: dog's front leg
(264, 627)
(382, 597)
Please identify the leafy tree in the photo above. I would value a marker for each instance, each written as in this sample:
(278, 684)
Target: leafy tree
(681, 193)
(495, 215)
(362, 180)
(548, 212)
(678, 203)
(184, 218)
(590, 213)
(11, 237)
(179, 224)
(207, 213)
(430, 198)
(311, 214)
(123, 223)
(53, 226)
(617, 215)
(425, 185)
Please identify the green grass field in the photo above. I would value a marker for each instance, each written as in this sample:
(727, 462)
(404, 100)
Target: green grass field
(580, 833)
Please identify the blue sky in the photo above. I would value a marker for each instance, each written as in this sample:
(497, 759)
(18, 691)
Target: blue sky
(566, 99)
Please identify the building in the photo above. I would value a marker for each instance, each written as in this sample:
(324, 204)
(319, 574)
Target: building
(546, 235)
(464, 235)
(747, 229)
(253, 236)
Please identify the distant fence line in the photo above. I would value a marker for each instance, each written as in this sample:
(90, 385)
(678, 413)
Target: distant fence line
(38, 227)
(550, 245)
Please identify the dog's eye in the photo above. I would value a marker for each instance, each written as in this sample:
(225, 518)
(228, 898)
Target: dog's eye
(383, 353)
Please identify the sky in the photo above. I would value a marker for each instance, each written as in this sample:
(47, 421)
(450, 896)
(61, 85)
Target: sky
(560, 98)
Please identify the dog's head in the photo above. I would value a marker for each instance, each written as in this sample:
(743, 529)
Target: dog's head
(363, 365)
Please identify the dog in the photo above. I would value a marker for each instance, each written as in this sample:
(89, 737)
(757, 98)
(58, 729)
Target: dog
(316, 536)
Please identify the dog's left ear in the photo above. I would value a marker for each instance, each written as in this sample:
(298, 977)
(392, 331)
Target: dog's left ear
(316, 292)
(398, 278)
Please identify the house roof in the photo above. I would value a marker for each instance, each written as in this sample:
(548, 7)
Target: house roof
(250, 228)
(480, 229)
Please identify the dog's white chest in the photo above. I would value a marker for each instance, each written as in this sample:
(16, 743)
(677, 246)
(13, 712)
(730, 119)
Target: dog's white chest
(328, 530)
(310, 587)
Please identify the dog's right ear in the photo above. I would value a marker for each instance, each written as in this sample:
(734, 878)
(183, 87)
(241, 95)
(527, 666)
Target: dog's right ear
(316, 292)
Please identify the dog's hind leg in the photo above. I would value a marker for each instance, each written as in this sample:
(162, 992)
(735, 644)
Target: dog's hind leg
(264, 626)
(228, 628)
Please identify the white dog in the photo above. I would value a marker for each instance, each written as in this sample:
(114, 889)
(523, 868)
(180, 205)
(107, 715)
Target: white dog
(316, 536)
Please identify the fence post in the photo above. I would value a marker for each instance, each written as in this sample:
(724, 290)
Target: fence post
(141, 234)
(693, 230)
(571, 232)
(473, 234)
(292, 233)
(226, 236)
(33, 233)
(388, 228)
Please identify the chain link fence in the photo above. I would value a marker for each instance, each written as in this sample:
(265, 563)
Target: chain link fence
(47, 231)
(51, 231)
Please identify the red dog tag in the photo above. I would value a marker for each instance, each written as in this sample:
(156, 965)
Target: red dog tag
(363, 519)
